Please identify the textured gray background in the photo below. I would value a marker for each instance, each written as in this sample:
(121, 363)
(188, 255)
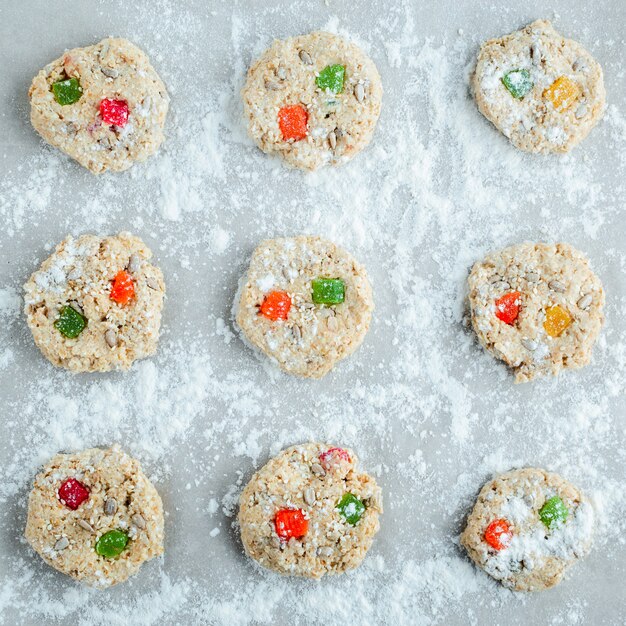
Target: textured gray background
(197, 47)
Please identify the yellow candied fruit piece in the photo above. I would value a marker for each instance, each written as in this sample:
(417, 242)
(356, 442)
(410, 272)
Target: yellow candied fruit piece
(563, 92)
(557, 320)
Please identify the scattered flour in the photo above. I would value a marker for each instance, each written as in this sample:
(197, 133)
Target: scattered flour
(437, 189)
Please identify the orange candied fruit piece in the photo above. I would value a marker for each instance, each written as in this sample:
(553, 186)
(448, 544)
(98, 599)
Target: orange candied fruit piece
(498, 534)
(276, 305)
(293, 121)
(563, 92)
(557, 320)
(291, 523)
(507, 307)
(123, 289)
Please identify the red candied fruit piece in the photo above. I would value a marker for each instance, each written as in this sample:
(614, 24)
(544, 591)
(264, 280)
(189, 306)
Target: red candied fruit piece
(114, 112)
(507, 307)
(332, 455)
(293, 122)
(291, 523)
(123, 289)
(276, 305)
(73, 493)
(498, 534)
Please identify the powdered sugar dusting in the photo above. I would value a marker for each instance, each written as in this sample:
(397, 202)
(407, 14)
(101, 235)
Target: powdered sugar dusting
(425, 408)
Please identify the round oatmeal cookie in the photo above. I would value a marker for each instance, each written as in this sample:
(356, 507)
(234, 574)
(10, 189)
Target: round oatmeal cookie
(538, 307)
(309, 512)
(95, 304)
(527, 528)
(103, 105)
(95, 516)
(314, 100)
(542, 91)
(305, 303)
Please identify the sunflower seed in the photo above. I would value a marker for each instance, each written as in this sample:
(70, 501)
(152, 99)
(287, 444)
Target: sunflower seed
(74, 274)
(305, 57)
(332, 323)
(272, 85)
(325, 551)
(535, 53)
(71, 128)
(581, 111)
(85, 525)
(297, 332)
(138, 521)
(152, 284)
(501, 285)
(134, 263)
(317, 469)
(495, 279)
(110, 72)
(339, 133)
(309, 496)
(585, 301)
(359, 92)
(111, 338)
(556, 285)
(77, 307)
(377, 502)
(105, 50)
(579, 65)
(110, 506)
(532, 277)
(61, 544)
(281, 72)
(332, 139)
(529, 344)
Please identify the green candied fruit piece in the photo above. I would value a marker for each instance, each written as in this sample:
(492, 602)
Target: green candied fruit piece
(553, 512)
(112, 544)
(331, 78)
(67, 91)
(70, 323)
(328, 291)
(518, 83)
(351, 508)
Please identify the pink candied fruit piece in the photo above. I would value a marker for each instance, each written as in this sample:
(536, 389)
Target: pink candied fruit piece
(114, 112)
(332, 455)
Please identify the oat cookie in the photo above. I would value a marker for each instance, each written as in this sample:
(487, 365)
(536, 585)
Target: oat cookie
(103, 105)
(538, 307)
(95, 304)
(95, 516)
(314, 100)
(542, 91)
(309, 512)
(305, 303)
(527, 528)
